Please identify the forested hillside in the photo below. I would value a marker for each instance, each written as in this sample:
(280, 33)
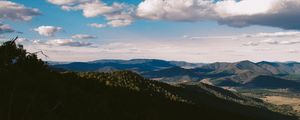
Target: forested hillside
(30, 90)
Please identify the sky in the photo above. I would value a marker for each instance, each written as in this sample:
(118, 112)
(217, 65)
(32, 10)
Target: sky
(201, 31)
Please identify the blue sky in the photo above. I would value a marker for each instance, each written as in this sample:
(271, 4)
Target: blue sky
(189, 30)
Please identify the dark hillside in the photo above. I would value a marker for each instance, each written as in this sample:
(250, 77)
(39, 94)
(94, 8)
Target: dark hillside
(272, 82)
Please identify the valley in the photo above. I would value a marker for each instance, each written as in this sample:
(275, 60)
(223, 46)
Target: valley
(279, 100)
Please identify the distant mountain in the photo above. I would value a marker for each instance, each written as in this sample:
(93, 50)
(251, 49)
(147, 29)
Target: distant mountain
(186, 65)
(56, 63)
(246, 71)
(136, 65)
(234, 74)
(264, 67)
(269, 82)
(240, 71)
(281, 68)
(173, 74)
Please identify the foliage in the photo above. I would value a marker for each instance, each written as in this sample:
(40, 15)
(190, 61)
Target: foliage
(13, 56)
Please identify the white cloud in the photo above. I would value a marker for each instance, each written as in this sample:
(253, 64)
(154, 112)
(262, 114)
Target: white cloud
(117, 14)
(270, 41)
(63, 42)
(15, 11)
(119, 23)
(67, 42)
(4, 28)
(278, 34)
(251, 43)
(96, 8)
(289, 42)
(275, 13)
(83, 36)
(280, 42)
(244, 7)
(97, 25)
(37, 42)
(22, 40)
(271, 38)
(211, 37)
(237, 13)
(62, 2)
(120, 19)
(47, 30)
(178, 10)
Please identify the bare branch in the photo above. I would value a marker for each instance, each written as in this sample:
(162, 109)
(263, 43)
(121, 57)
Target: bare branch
(12, 41)
(39, 52)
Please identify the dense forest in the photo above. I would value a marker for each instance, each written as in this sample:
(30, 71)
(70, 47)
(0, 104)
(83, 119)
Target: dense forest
(30, 90)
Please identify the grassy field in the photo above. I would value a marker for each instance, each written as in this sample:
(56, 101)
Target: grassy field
(280, 100)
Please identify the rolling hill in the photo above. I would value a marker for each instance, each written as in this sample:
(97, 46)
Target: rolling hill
(173, 74)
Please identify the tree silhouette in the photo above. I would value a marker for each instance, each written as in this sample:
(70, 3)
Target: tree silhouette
(15, 56)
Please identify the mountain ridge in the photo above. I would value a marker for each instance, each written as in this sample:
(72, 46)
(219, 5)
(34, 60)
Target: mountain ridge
(219, 73)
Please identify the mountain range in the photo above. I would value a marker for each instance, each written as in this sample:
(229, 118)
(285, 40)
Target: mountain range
(243, 74)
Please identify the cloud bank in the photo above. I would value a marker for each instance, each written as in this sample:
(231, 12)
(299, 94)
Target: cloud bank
(275, 13)
(206, 50)
(83, 36)
(63, 42)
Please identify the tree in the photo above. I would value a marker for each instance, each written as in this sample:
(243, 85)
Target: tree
(13, 55)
